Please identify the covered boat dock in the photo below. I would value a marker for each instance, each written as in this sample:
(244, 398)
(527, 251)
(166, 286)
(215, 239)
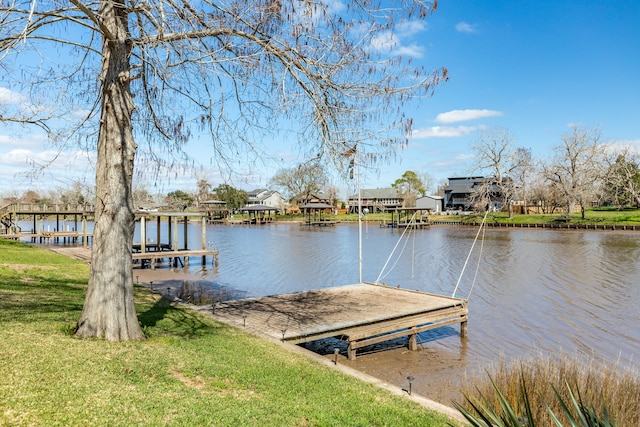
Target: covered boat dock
(315, 214)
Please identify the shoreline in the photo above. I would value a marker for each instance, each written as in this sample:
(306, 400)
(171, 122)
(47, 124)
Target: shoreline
(160, 279)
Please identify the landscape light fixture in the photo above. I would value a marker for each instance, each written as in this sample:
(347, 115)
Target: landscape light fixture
(410, 378)
(336, 351)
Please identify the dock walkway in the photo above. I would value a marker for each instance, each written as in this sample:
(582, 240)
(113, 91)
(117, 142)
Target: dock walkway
(360, 314)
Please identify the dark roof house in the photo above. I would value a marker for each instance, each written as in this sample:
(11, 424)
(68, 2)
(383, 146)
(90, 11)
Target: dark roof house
(376, 200)
(462, 192)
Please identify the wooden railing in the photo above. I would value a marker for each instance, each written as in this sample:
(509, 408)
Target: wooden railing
(48, 208)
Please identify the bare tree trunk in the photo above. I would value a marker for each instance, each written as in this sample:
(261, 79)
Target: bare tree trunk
(109, 310)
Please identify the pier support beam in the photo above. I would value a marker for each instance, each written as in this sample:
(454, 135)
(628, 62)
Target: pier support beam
(463, 329)
(351, 352)
(413, 340)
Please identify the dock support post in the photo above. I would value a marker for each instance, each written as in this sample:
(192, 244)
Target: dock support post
(203, 237)
(413, 340)
(158, 234)
(463, 329)
(85, 238)
(186, 233)
(175, 246)
(351, 352)
(143, 234)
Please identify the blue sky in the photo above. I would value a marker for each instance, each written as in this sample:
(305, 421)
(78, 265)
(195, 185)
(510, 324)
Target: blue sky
(533, 67)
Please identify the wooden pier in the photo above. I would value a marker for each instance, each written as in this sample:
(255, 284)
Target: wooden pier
(322, 223)
(318, 215)
(70, 222)
(166, 247)
(360, 314)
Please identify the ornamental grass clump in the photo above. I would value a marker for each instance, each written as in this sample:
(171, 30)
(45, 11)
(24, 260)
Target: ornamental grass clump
(561, 392)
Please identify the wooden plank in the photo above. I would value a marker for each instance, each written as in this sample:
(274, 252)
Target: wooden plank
(172, 254)
(403, 333)
(404, 322)
(360, 314)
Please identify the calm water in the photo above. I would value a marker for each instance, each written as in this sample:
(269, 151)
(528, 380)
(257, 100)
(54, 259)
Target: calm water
(535, 291)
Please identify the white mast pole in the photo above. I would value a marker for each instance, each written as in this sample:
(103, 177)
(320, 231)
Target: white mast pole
(359, 214)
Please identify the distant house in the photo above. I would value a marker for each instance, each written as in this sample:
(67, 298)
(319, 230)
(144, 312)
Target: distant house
(305, 199)
(216, 210)
(461, 192)
(270, 198)
(376, 200)
(434, 203)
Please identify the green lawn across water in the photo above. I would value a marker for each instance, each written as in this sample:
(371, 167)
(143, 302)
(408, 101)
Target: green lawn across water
(190, 371)
(600, 216)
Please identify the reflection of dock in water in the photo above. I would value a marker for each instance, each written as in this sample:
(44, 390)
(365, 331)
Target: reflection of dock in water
(360, 314)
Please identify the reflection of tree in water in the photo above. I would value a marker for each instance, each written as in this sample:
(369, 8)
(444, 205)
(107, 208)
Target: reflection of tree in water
(204, 292)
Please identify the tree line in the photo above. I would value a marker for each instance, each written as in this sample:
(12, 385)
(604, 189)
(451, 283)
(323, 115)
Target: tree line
(581, 171)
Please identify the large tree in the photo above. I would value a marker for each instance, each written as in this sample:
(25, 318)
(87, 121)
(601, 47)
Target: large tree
(411, 186)
(498, 156)
(233, 197)
(621, 179)
(140, 78)
(575, 170)
(300, 181)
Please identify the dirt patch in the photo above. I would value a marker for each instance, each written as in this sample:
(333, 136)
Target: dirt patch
(194, 382)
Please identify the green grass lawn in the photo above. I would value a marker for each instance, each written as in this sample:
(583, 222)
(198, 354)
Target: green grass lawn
(190, 371)
(592, 217)
(601, 216)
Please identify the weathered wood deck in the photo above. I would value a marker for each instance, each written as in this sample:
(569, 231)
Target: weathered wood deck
(174, 257)
(149, 257)
(361, 314)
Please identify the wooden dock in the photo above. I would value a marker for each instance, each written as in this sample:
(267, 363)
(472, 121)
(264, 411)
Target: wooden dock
(149, 253)
(360, 314)
(322, 223)
(152, 258)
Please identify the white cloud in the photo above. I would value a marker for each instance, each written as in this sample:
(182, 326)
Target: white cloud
(385, 41)
(632, 146)
(396, 42)
(413, 50)
(463, 27)
(455, 116)
(9, 97)
(26, 141)
(411, 28)
(444, 132)
(14, 157)
(465, 156)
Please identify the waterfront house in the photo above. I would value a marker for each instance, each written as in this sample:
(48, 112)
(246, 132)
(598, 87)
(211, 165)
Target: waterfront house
(264, 197)
(377, 200)
(465, 193)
